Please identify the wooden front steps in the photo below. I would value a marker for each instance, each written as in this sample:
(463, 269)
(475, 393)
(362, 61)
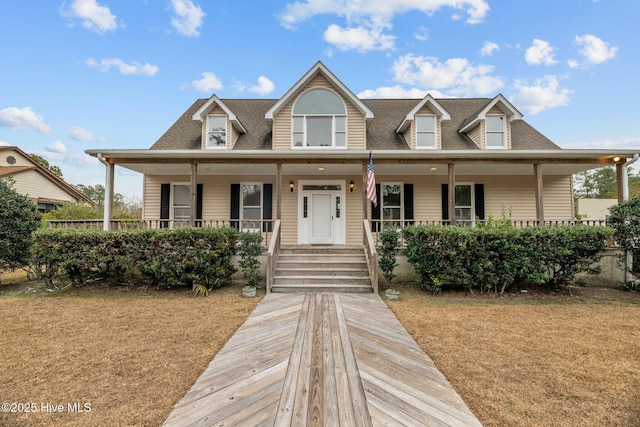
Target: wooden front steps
(322, 269)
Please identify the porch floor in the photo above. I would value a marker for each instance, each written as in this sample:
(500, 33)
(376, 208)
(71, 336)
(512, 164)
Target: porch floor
(321, 360)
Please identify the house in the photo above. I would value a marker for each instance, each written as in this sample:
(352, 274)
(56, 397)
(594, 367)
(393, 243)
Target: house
(302, 161)
(36, 182)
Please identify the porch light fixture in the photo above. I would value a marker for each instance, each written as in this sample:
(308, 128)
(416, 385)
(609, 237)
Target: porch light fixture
(616, 159)
(321, 169)
(291, 186)
(433, 169)
(351, 185)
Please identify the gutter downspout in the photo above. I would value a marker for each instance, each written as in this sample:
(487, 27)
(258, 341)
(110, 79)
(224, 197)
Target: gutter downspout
(628, 265)
(108, 193)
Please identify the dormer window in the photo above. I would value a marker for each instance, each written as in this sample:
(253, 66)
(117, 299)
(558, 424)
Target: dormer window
(319, 120)
(216, 131)
(426, 131)
(495, 131)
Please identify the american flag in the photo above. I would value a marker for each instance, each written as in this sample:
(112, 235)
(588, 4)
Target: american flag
(371, 182)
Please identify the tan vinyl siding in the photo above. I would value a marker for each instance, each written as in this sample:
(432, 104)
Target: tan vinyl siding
(355, 231)
(20, 159)
(356, 124)
(216, 194)
(477, 134)
(516, 195)
(32, 184)
(289, 220)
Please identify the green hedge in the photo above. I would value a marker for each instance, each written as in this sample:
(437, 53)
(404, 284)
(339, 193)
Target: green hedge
(161, 258)
(495, 259)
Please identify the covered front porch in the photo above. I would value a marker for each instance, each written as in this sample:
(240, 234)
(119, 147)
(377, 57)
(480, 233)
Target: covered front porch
(324, 192)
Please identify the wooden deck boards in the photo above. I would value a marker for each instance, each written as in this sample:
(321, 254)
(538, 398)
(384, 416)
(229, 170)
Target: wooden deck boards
(321, 360)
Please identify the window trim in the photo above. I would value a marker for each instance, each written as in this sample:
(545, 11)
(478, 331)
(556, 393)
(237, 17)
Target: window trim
(401, 206)
(172, 205)
(472, 207)
(242, 206)
(226, 132)
(333, 118)
(434, 132)
(503, 132)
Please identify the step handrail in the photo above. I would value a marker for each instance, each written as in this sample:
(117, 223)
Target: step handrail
(272, 256)
(371, 254)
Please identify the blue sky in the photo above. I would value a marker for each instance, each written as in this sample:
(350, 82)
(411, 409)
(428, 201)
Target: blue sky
(87, 74)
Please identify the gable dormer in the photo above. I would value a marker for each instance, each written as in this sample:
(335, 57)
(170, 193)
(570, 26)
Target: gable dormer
(491, 127)
(319, 112)
(220, 126)
(422, 126)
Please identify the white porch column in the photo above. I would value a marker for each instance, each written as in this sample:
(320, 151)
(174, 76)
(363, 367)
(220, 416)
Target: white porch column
(279, 191)
(194, 194)
(365, 170)
(108, 196)
(537, 171)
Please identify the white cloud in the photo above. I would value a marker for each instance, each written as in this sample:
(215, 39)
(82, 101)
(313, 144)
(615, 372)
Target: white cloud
(23, 118)
(540, 52)
(57, 147)
(375, 11)
(124, 68)
(394, 92)
(358, 38)
(572, 63)
(488, 48)
(94, 17)
(84, 135)
(69, 158)
(264, 86)
(594, 49)
(209, 82)
(422, 34)
(4, 144)
(456, 75)
(188, 17)
(544, 94)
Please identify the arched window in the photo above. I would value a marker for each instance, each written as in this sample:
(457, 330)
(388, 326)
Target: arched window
(319, 120)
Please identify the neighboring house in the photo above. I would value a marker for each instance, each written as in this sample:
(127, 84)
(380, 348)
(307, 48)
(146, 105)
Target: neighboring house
(35, 181)
(303, 158)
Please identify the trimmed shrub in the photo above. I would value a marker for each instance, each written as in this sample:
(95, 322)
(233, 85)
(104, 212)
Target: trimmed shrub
(19, 218)
(388, 252)
(496, 259)
(249, 249)
(160, 258)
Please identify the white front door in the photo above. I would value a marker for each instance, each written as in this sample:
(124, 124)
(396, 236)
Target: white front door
(321, 214)
(321, 218)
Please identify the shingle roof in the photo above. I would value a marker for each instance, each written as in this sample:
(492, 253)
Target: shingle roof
(185, 133)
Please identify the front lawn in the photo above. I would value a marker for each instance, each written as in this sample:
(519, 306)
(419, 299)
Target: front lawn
(130, 355)
(534, 359)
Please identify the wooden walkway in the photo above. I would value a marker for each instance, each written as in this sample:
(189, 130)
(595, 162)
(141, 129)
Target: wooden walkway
(321, 360)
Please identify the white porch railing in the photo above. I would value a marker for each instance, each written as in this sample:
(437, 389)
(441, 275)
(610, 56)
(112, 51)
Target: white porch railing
(263, 227)
(371, 255)
(272, 256)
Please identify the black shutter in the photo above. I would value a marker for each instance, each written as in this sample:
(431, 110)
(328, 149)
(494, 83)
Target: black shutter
(165, 191)
(267, 207)
(445, 202)
(408, 204)
(479, 199)
(235, 206)
(199, 205)
(375, 211)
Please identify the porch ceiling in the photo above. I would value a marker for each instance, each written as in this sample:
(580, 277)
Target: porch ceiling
(350, 162)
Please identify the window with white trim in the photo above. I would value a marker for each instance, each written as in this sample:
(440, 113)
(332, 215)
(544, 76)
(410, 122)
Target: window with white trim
(495, 131)
(251, 206)
(319, 119)
(464, 209)
(216, 131)
(426, 131)
(392, 211)
(181, 204)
